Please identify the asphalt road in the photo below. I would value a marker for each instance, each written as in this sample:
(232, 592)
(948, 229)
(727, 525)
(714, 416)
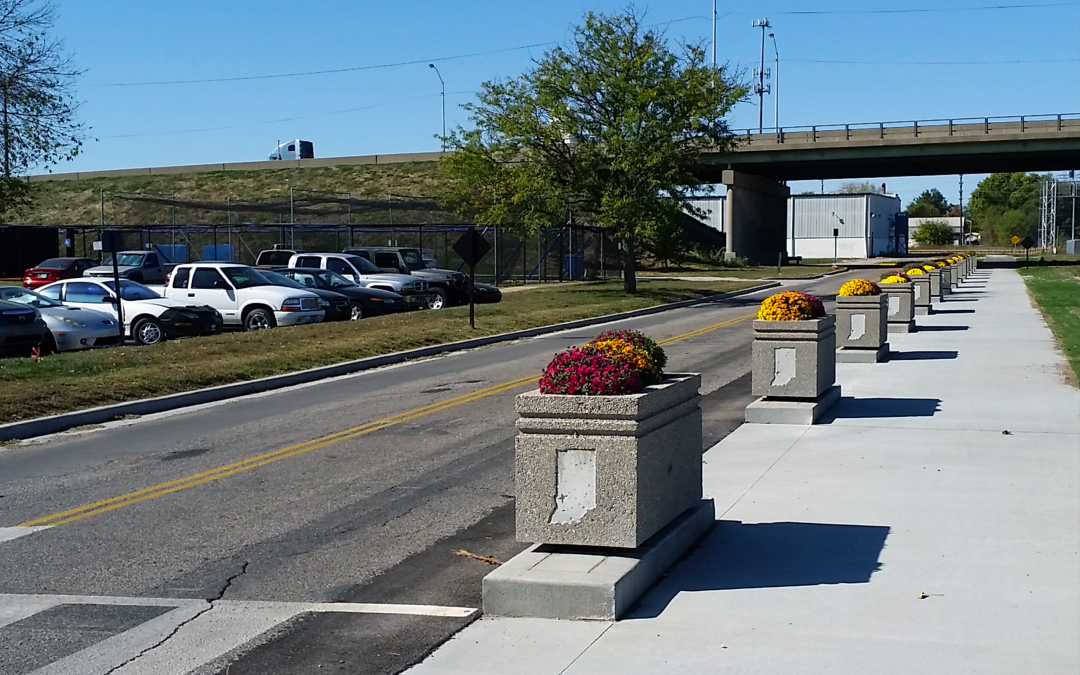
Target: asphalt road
(362, 489)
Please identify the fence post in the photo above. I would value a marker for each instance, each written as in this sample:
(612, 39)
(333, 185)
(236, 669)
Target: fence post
(881, 130)
(916, 127)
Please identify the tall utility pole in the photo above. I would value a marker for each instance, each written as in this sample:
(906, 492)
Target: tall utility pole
(761, 88)
(714, 34)
(443, 85)
(1072, 177)
(776, 86)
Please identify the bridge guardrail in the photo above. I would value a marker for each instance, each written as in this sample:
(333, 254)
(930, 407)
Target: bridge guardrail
(961, 126)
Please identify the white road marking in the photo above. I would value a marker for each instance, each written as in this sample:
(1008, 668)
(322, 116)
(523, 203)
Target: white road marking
(9, 533)
(194, 633)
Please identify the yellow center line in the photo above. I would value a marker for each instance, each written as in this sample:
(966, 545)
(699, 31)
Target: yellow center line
(169, 487)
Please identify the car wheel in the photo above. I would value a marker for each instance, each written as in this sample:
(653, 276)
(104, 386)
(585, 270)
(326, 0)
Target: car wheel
(258, 319)
(47, 346)
(147, 332)
(356, 311)
(437, 299)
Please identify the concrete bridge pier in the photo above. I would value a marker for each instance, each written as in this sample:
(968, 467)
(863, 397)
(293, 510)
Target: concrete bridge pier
(756, 217)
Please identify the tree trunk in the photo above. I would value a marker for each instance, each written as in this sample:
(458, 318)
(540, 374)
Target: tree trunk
(7, 138)
(629, 267)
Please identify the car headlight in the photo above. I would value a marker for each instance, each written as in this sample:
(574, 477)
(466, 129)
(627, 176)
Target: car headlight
(324, 303)
(291, 305)
(72, 322)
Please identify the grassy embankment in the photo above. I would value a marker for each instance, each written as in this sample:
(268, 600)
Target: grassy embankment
(1056, 290)
(77, 380)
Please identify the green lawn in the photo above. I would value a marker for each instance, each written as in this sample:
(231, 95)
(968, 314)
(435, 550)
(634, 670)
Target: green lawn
(1056, 289)
(76, 380)
(792, 271)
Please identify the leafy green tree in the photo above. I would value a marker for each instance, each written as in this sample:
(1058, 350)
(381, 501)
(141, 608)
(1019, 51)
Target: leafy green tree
(933, 233)
(607, 129)
(37, 106)
(930, 204)
(854, 188)
(1006, 204)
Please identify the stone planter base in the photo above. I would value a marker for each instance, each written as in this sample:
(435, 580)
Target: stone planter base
(903, 327)
(767, 410)
(922, 311)
(857, 355)
(549, 581)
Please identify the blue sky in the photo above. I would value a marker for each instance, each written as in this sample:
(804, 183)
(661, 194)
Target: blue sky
(848, 63)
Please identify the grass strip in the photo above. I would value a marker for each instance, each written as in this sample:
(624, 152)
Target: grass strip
(1056, 290)
(78, 380)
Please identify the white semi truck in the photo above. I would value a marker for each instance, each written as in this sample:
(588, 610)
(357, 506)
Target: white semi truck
(295, 149)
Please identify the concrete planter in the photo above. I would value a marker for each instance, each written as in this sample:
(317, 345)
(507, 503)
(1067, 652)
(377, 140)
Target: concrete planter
(920, 291)
(946, 280)
(900, 306)
(935, 284)
(793, 366)
(954, 275)
(861, 328)
(607, 470)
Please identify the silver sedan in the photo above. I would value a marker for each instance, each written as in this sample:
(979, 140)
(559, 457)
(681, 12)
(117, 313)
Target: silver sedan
(70, 328)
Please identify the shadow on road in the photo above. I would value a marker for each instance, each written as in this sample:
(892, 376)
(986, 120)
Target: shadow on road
(922, 356)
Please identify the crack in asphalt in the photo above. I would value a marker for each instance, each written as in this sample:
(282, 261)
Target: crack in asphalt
(209, 606)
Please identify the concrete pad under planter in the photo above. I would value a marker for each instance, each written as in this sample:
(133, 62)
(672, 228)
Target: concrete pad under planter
(862, 355)
(550, 581)
(908, 327)
(791, 411)
(922, 311)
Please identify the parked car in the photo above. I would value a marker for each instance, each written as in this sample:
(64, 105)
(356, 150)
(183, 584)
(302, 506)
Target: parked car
(243, 295)
(146, 267)
(364, 273)
(70, 328)
(336, 305)
(364, 301)
(55, 269)
(148, 317)
(447, 287)
(21, 328)
(274, 258)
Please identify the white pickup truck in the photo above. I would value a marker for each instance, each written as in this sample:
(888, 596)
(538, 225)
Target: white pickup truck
(243, 296)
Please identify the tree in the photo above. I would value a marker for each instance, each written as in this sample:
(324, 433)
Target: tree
(1006, 204)
(37, 105)
(933, 233)
(930, 204)
(858, 188)
(604, 132)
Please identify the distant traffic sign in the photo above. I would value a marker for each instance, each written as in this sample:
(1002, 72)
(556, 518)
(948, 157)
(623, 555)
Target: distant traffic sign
(1015, 240)
(1027, 242)
(472, 246)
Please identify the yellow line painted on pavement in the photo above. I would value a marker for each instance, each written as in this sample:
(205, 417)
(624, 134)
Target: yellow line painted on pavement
(169, 487)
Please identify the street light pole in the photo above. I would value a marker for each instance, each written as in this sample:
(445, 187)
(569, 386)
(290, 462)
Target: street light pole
(443, 85)
(776, 86)
(714, 34)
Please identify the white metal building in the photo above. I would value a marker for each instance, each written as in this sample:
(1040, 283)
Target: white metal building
(955, 222)
(713, 206)
(866, 225)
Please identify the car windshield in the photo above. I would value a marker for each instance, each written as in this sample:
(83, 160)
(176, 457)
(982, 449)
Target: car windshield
(245, 277)
(133, 290)
(25, 297)
(413, 259)
(131, 259)
(365, 266)
(281, 279)
(334, 280)
(54, 264)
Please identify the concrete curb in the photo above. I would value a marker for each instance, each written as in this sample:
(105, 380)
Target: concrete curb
(816, 276)
(57, 423)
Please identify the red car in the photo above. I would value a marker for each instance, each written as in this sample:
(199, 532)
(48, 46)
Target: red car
(55, 269)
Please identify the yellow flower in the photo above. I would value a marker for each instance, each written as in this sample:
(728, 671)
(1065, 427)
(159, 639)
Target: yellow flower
(915, 271)
(859, 287)
(786, 306)
(895, 279)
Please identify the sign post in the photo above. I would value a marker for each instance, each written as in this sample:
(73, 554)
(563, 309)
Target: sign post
(835, 241)
(472, 247)
(112, 242)
(1027, 243)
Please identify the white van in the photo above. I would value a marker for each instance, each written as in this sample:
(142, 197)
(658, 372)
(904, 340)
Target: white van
(296, 149)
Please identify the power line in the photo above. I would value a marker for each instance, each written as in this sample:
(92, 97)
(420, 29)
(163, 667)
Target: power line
(919, 11)
(934, 63)
(321, 72)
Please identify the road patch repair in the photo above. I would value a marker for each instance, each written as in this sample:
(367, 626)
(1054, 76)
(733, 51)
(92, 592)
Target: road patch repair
(927, 523)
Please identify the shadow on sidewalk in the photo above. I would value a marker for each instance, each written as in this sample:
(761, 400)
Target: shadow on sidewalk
(736, 555)
(922, 356)
(860, 408)
(952, 311)
(920, 329)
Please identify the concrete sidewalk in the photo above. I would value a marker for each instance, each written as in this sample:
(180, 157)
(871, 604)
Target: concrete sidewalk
(906, 534)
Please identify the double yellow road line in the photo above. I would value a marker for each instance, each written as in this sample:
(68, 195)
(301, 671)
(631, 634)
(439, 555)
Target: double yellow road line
(162, 489)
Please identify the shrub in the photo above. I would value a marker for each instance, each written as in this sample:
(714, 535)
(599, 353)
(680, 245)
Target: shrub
(791, 306)
(933, 233)
(638, 339)
(857, 287)
(590, 371)
(894, 279)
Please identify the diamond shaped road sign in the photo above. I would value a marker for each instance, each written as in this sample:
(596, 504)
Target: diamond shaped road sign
(1028, 242)
(472, 246)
